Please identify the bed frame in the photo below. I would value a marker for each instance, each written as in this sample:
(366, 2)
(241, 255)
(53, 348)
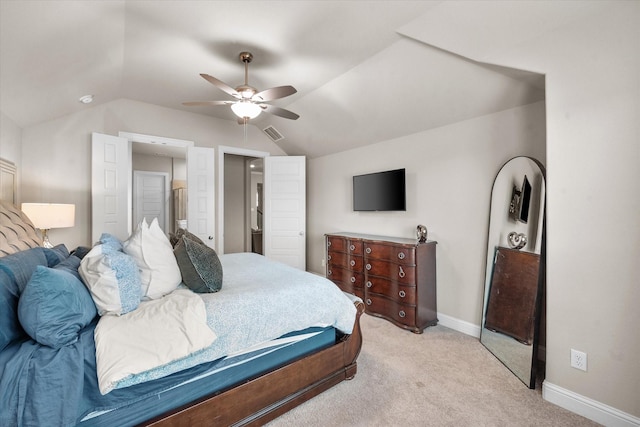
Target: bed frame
(268, 396)
(252, 403)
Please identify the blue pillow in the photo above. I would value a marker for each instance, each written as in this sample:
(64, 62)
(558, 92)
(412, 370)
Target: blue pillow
(54, 307)
(56, 254)
(15, 271)
(70, 265)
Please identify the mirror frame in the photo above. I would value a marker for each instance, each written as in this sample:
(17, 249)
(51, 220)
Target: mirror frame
(528, 378)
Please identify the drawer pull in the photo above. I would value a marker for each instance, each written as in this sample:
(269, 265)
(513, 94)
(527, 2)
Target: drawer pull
(402, 294)
(401, 272)
(369, 284)
(353, 279)
(401, 255)
(352, 247)
(329, 272)
(329, 243)
(368, 301)
(368, 250)
(329, 257)
(402, 313)
(353, 263)
(368, 267)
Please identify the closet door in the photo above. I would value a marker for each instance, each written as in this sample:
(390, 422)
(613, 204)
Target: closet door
(110, 186)
(200, 193)
(285, 209)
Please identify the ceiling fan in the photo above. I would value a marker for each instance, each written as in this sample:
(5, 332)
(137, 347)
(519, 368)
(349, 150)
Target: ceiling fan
(249, 102)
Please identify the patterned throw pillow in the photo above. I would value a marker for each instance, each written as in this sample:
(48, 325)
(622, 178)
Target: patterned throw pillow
(113, 280)
(175, 238)
(199, 265)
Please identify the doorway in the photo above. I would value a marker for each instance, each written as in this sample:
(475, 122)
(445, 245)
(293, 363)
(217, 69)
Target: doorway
(243, 181)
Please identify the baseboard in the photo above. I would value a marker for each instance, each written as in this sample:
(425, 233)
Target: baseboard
(588, 408)
(459, 325)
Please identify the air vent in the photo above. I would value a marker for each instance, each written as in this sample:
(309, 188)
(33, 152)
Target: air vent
(273, 133)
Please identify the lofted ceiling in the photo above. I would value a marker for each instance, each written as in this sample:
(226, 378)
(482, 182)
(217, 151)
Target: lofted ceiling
(359, 80)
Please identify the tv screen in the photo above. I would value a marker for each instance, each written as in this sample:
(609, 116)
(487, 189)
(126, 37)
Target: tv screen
(381, 191)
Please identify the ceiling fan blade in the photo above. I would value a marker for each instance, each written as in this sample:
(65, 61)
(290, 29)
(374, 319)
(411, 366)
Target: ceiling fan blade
(221, 85)
(273, 93)
(277, 111)
(209, 103)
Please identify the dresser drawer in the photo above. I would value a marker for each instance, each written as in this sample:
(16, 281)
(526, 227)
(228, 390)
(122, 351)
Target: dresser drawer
(399, 254)
(400, 313)
(394, 272)
(399, 292)
(350, 288)
(338, 274)
(342, 244)
(344, 260)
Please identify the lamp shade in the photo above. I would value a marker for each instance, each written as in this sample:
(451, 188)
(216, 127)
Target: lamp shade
(50, 215)
(246, 109)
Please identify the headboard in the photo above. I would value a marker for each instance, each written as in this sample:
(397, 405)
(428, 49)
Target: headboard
(17, 233)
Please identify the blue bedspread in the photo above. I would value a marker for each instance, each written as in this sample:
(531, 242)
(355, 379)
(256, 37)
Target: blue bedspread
(281, 297)
(40, 385)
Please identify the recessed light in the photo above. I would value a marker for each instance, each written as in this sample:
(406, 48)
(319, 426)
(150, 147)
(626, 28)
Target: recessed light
(86, 99)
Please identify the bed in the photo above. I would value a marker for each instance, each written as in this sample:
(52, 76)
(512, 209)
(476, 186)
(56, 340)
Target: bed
(218, 383)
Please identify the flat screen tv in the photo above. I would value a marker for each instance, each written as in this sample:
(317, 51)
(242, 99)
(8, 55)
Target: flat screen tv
(381, 191)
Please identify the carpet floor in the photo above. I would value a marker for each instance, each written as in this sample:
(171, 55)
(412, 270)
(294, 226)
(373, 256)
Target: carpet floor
(438, 378)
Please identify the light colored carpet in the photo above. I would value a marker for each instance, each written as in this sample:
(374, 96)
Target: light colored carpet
(438, 378)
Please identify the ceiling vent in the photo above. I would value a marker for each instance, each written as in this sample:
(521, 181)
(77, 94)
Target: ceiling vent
(273, 133)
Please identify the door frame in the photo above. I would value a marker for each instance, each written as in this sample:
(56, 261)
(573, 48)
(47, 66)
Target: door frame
(222, 150)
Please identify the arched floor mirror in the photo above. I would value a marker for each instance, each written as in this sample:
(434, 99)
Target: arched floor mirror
(515, 272)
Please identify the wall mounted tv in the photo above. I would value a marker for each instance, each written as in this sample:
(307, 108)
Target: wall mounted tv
(381, 191)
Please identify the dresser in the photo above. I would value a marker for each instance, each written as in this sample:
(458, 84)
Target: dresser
(395, 277)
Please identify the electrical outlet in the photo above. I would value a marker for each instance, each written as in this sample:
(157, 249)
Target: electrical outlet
(579, 360)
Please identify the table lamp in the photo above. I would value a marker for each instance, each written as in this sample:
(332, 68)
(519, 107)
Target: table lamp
(46, 216)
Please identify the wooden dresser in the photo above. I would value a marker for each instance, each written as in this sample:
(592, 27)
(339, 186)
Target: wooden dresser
(395, 277)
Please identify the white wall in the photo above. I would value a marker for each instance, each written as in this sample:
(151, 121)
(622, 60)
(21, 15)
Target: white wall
(590, 53)
(450, 171)
(56, 155)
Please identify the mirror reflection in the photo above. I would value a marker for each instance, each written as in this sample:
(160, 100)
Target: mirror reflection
(515, 267)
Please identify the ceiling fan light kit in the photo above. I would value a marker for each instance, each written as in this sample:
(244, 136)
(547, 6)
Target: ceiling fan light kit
(244, 109)
(249, 102)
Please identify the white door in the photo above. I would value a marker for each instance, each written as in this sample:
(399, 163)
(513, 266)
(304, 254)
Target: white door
(200, 193)
(110, 183)
(151, 198)
(285, 209)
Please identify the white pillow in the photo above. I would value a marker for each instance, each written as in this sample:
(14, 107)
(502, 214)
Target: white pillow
(112, 279)
(153, 253)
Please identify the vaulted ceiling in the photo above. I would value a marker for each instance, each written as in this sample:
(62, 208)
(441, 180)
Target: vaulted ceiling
(359, 79)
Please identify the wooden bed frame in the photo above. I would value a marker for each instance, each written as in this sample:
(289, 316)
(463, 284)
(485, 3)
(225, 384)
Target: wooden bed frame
(270, 395)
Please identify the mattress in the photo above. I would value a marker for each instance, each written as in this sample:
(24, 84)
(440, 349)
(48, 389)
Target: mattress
(186, 386)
